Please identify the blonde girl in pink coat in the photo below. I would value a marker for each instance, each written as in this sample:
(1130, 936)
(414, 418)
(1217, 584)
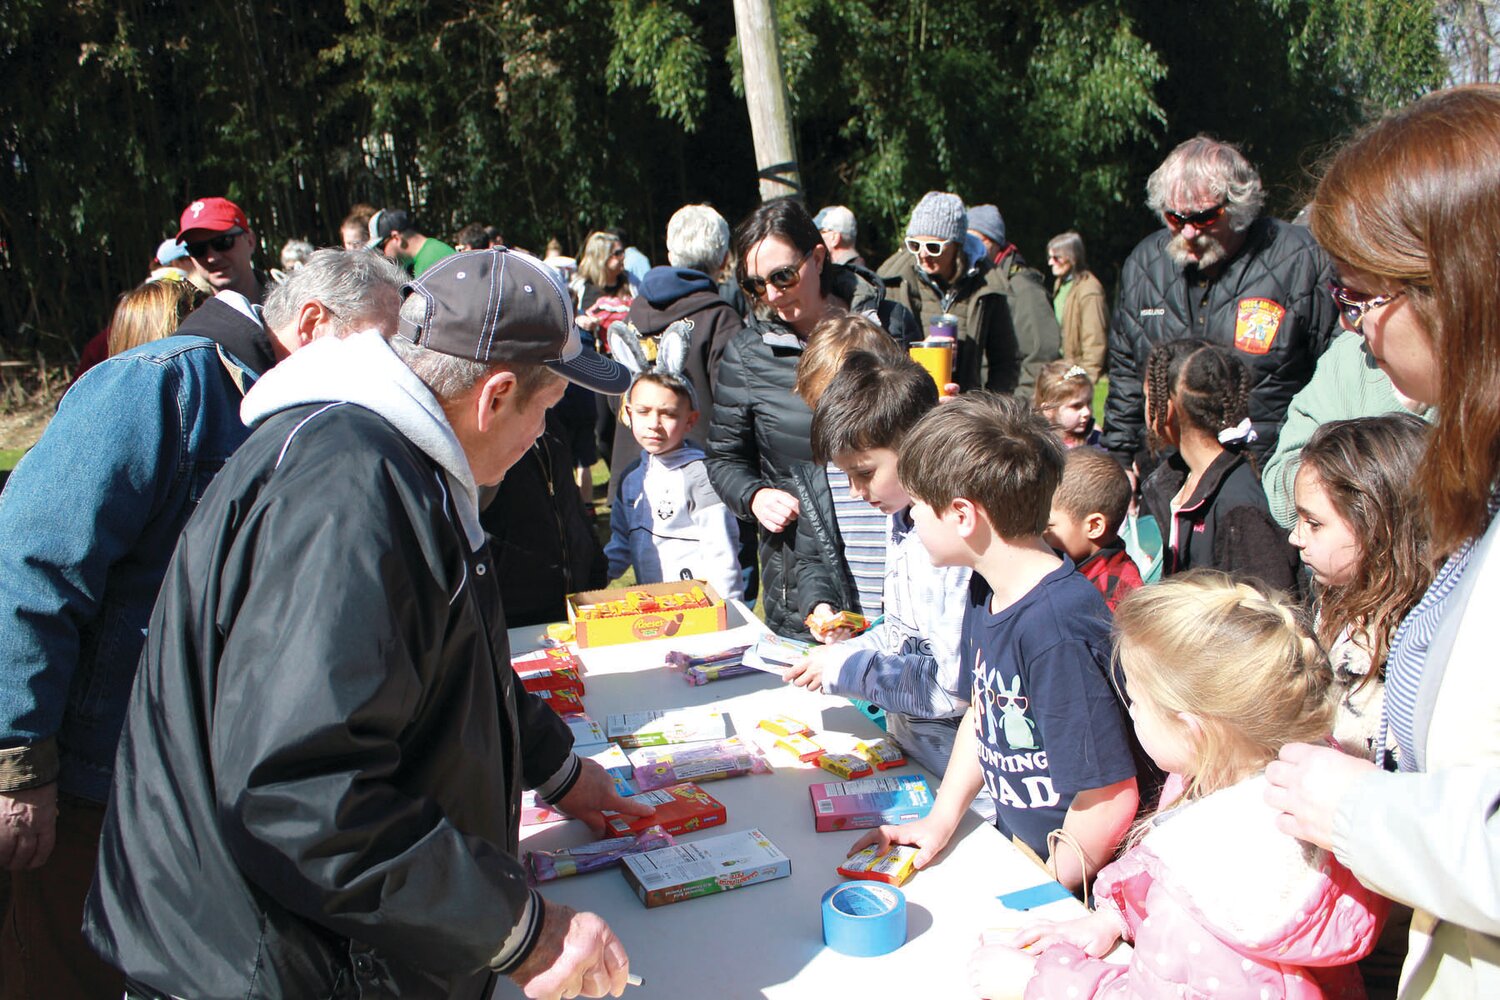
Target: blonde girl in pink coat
(1216, 901)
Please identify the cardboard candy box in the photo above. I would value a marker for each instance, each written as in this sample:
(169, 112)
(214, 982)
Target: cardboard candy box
(658, 727)
(869, 802)
(705, 867)
(646, 611)
(679, 809)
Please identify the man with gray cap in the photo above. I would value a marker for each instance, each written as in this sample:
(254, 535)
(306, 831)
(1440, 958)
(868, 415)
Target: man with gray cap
(839, 231)
(1005, 325)
(326, 746)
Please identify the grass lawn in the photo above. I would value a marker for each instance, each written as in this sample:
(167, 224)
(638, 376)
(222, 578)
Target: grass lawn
(9, 457)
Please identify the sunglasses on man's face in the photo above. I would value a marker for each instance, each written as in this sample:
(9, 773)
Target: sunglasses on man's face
(784, 278)
(219, 244)
(1198, 220)
(926, 248)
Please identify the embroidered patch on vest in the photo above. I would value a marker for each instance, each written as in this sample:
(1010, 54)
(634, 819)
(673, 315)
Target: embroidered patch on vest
(1256, 323)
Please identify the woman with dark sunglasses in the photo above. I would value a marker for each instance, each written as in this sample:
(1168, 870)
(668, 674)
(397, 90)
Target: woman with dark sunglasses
(760, 427)
(1410, 212)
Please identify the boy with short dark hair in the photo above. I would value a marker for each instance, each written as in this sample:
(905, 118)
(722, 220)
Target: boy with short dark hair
(1046, 733)
(907, 664)
(1087, 510)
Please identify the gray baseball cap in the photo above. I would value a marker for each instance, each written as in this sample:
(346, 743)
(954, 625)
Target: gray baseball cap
(501, 305)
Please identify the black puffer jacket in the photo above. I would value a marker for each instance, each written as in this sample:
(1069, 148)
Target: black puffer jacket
(318, 783)
(761, 429)
(1226, 524)
(1270, 305)
(822, 572)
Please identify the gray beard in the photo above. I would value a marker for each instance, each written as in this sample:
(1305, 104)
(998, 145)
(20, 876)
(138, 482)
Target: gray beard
(1177, 249)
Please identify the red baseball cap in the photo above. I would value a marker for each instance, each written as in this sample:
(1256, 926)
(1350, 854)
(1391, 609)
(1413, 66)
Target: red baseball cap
(211, 215)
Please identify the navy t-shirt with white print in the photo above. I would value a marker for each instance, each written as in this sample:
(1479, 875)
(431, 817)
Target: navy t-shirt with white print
(1050, 723)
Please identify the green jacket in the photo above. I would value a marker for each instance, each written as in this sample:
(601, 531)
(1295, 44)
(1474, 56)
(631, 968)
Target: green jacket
(1006, 327)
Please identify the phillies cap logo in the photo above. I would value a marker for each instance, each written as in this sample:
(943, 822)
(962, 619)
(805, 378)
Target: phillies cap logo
(196, 208)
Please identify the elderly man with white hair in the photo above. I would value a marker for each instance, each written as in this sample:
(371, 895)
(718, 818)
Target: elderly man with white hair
(1219, 271)
(685, 289)
(837, 225)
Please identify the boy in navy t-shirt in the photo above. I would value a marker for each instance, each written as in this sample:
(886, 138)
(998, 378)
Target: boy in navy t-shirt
(1045, 733)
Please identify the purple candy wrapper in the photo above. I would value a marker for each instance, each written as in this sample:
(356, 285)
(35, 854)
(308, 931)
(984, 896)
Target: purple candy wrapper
(545, 866)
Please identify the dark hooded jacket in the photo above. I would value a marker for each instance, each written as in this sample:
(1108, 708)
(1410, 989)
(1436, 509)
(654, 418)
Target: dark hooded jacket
(761, 428)
(1270, 305)
(543, 539)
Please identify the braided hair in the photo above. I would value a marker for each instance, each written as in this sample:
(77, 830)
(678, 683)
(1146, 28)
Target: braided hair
(1210, 386)
(1245, 664)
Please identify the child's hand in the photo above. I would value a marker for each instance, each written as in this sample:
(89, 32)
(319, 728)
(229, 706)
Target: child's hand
(997, 971)
(809, 672)
(821, 632)
(1094, 934)
(929, 835)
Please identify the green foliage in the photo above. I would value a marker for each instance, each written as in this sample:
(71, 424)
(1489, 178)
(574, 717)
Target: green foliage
(550, 118)
(658, 47)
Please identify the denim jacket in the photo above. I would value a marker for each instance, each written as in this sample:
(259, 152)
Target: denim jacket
(88, 523)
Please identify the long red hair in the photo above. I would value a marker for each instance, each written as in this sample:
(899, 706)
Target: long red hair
(1415, 199)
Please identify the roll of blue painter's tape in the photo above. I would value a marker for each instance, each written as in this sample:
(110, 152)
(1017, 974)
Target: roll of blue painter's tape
(864, 919)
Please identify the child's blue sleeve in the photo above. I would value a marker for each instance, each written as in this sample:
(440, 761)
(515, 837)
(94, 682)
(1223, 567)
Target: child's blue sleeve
(617, 551)
(908, 683)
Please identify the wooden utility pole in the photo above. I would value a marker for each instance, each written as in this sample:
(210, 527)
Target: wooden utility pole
(766, 97)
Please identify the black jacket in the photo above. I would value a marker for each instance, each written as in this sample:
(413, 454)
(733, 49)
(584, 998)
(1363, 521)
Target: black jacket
(761, 429)
(543, 540)
(240, 335)
(1226, 524)
(822, 571)
(318, 783)
(1270, 305)
(667, 295)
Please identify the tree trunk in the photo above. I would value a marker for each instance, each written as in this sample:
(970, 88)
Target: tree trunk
(766, 98)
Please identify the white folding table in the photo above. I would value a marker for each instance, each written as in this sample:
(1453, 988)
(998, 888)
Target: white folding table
(766, 940)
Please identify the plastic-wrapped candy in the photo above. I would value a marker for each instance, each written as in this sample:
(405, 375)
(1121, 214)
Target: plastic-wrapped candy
(657, 767)
(545, 866)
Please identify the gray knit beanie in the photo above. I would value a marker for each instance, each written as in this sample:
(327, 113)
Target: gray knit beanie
(940, 215)
(986, 221)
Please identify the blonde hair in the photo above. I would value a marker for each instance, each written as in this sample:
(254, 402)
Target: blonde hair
(830, 342)
(150, 312)
(1245, 664)
(593, 257)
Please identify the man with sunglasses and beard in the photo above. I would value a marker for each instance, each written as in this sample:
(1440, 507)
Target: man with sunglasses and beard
(1219, 271)
(1005, 324)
